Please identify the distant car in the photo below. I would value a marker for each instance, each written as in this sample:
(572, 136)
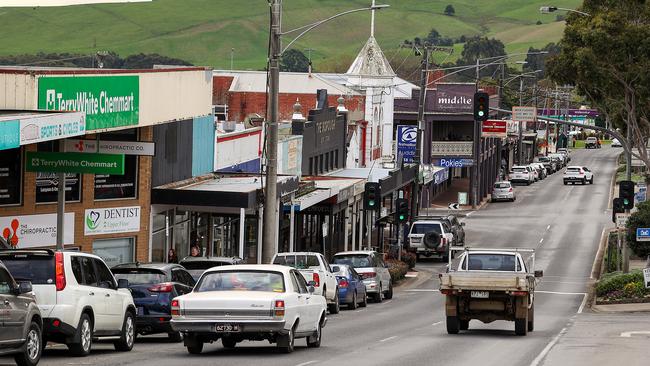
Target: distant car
(578, 174)
(540, 168)
(197, 265)
(503, 191)
(457, 228)
(370, 266)
(592, 143)
(250, 302)
(352, 290)
(616, 143)
(430, 237)
(564, 151)
(550, 165)
(521, 174)
(22, 326)
(560, 159)
(153, 286)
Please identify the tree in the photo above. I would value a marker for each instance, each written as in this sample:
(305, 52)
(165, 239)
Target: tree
(537, 61)
(605, 55)
(480, 48)
(294, 61)
(640, 218)
(449, 10)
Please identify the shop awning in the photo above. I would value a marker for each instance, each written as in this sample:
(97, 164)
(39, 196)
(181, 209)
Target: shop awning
(19, 128)
(309, 199)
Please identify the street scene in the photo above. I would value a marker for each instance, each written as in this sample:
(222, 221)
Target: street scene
(473, 193)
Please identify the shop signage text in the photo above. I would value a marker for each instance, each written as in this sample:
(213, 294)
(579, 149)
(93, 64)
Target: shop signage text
(35, 230)
(108, 101)
(453, 162)
(454, 98)
(495, 128)
(406, 142)
(110, 147)
(112, 220)
(9, 134)
(524, 114)
(74, 163)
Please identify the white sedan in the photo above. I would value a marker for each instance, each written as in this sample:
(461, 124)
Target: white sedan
(616, 143)
(250, 302)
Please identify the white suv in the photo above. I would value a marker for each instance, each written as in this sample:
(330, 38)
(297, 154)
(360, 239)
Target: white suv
(578, 174)
(78, 297)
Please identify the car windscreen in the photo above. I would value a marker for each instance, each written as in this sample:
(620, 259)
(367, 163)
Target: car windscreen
(353, 260)
(573, 170)
(140, 276)
(425, 228)
(264, 281)
(37, 269)
(544, 160)
(501, 185)
(491, 262)
(202, 265)
(520, 170)
(298, 261)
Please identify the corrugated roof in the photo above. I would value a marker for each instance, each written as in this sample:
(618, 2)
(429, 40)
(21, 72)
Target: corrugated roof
(290, 82)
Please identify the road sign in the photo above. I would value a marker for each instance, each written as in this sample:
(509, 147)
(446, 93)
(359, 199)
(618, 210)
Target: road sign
(454, 206)
(453, 162)
(643, 234)
(621, 220)
(495, 128)
(646, 277)
(55, 162)
(406, 142)
(524, 114)
(110, 147)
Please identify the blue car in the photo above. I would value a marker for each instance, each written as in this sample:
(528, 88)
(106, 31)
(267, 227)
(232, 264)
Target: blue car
(352, 290)
(153, 286)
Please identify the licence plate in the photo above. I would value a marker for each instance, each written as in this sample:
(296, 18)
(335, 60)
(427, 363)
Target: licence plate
(226, 328)
(480, 294)
(140, 310)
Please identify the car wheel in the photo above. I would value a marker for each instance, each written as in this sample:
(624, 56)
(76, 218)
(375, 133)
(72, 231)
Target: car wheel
(591, 181)
(125, 343)
(353, 304)
(565, 183)
(379, 296)
(453, 325)
(175, 337)
(195, 348)
(288, 340)
(389, 293)
(314, 341)
(228, 342)
(364, 303)
(335, 308)
(33, 350)
(584, 181)
(531, 318)
(463, 324)
(85, 337)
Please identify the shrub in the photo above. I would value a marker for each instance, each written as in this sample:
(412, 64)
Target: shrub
(618, 281)
(640, 218)
(397, 269)
(409, 258)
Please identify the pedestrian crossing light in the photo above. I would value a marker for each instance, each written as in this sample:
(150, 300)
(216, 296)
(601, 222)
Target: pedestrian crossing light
(626, 193)
(617, 207)
(481, 106)
(401, 210)
(371, 196)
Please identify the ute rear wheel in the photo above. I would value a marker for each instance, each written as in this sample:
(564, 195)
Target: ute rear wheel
(453, 325)
(463, 324)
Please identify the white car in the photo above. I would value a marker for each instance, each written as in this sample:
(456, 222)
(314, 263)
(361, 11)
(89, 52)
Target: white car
(371, 267)
(250, 302)
(522, 174)
(430, 238)
(78, 297)
(578, 174)
(314, 267)
(503, 191)
(616, 143)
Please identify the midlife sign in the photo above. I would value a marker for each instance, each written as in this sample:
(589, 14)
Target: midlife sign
(108, 101)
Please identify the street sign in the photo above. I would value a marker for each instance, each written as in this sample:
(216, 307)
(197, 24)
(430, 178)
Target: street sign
(453, 162)
(406, 142)
(524, 114)
(55, 162)
(621, 220)
(454, 206)
(495, 128)
(643, 234)
(110, 147)
(646, 277)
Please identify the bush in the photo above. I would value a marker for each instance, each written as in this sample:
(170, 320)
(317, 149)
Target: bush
(409, 258)
(614, 285)
(397, 269)
(640, 218)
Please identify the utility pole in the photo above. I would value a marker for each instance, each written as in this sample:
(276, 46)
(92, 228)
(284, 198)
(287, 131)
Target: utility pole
(270, 193)
(476, 151)
(415, 202)
(520, 145)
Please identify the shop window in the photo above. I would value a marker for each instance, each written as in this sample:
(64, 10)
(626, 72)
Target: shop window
(331, 160)
(11, 177)
(311, 166)
(47, 184)
(112, 186)
(115, 251)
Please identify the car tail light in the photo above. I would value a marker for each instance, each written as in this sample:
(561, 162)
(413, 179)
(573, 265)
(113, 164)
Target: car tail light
(519, 293)
(59, 271)
(510, 190)
(176, 309)
(443, 241)
(343, 283)
(316, 280)
(448, 292)
(368, 275)
(278, 308)
(162, 287)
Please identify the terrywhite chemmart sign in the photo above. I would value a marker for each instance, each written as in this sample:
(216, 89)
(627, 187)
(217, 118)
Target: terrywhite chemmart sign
(107, 101)
(114, 220)
(35, 230)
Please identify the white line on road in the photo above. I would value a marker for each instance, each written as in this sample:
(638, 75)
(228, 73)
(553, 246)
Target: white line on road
(541, 240)
(436, 323)
(560, 293)
(548, 228)
(307, 363)
(630, 334)
(582, 304)
(421, 290)
(388, 339)
(548, 347)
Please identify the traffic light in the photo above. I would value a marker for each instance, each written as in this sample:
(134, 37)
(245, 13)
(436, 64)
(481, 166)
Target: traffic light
(626, 193)
(372, 196)
(481, 106)
(401, 210)
(617, 207)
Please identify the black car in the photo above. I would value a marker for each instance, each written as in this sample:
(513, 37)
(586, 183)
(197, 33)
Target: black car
(153, 286)
(21, 329)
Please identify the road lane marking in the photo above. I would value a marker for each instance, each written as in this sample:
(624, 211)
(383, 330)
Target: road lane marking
(582, 304)
(421, 290)
(630, 334)
(541, 240)
(537, 361)
(548, 228)
(436, 323)
(388, 339)
(560, 293)
(307, 363)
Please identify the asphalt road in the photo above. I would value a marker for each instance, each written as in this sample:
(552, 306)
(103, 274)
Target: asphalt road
(564, 224)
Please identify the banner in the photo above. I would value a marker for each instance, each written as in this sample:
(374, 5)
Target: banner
(454, 98)
(74, 163)
(406, 143)
(115, 220)
(35, 230)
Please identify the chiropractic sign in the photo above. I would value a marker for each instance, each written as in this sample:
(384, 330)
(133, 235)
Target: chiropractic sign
(108, 101)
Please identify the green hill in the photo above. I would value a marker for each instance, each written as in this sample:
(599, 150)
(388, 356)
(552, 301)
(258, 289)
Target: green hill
(204, 31)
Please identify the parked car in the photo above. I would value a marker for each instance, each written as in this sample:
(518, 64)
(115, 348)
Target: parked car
(314, 267)
(22, 326)
(352, 289)
(521, 174)
(457, 228)
(540, 169)
(78, 297)
(575, 174)
(616, 143)
(372, 269)
(250, 302)
(564, 151)
(197, 265)
(592, 143)
(560, 159)
(430, 237)
(550, 164)
(153, 286)
(503, 191)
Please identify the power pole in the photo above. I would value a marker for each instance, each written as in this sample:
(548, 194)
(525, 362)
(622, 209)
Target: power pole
(520, 145)
(476, 151)
(415, 202)
(270, 194)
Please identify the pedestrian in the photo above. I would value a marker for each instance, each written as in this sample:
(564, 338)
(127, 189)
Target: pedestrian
(195, 251)
(171, 256)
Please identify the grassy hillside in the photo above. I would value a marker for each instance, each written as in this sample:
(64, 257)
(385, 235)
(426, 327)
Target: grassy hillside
(204, 31)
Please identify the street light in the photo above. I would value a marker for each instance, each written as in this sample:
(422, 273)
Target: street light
(550, 9)
(521, 92)
(275, 52)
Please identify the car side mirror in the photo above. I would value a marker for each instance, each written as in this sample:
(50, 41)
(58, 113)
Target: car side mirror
(336, 269)
(24, 287)
(311, 283)
(311, 288)
(122, 283)
(539, 274)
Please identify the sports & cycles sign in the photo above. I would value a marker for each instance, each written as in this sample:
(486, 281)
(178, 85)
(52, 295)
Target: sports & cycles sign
(108, 101)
